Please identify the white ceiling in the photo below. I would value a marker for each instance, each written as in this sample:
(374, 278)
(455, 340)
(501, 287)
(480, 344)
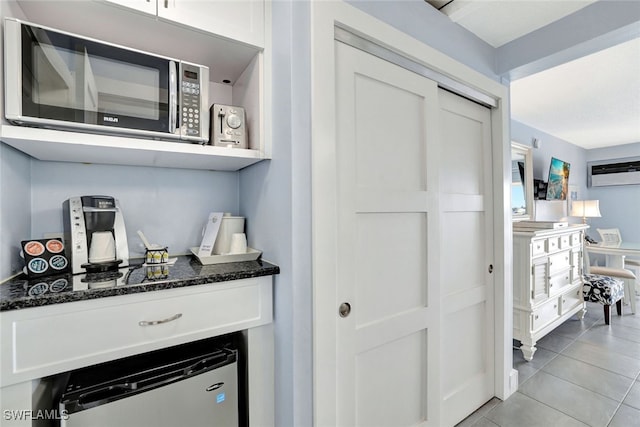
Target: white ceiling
(499, 22)
(591, 102)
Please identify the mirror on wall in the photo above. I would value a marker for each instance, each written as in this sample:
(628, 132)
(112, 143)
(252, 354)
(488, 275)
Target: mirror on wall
(521, 182)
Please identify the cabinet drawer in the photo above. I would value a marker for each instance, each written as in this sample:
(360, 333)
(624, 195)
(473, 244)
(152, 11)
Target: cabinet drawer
(565, 241)
(571, 300)
(559, 262)
(552, 244)
(82, 335)
(537, 247)
(544, 314)
(575, 239)
(559, 282)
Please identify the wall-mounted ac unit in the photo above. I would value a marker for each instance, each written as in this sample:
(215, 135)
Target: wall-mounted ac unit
(613, 172)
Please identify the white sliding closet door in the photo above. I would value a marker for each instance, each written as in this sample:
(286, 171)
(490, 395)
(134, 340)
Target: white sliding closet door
(466, 255)
(413, 248)
(388, 234)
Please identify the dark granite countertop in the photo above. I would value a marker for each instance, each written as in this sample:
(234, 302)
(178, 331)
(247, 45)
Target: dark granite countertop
(22, 293)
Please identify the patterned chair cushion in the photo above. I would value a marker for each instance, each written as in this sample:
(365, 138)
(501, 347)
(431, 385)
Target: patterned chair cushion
(603, 289)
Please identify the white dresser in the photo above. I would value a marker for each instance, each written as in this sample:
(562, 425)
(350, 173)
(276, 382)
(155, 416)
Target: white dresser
(547, 282)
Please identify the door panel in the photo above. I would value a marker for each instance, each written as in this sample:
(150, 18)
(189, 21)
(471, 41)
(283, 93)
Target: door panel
(391, 154)
(414, 242)
(385, 116)
(390, 274)
(379, 402)
(467, 252)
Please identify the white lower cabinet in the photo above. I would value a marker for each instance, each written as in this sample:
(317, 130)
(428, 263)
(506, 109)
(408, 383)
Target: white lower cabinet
(42, 341)
(547, 282)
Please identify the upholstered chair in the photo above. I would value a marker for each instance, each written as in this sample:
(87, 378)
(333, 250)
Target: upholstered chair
(604, 290)
(612, 237)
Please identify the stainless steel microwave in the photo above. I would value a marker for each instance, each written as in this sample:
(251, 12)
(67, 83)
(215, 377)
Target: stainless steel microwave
(59, 80)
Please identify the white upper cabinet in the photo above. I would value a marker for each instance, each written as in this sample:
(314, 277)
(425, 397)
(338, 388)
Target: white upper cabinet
(146, 6)
(230, 37)
(241, 20)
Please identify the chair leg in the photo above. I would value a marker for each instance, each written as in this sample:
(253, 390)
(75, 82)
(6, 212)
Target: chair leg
(629, 294)
(606, 314)
(619, 307)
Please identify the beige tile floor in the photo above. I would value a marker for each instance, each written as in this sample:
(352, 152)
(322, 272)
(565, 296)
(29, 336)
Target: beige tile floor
(584, 373)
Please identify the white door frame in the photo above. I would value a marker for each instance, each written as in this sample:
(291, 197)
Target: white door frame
(324, 17)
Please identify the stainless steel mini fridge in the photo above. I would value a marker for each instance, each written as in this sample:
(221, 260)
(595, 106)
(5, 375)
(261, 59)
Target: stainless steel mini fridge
(182, 386)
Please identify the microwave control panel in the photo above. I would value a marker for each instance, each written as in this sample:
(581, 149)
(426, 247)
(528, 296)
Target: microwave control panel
(190, 102)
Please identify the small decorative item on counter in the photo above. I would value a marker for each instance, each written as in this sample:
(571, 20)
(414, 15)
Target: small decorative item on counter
(44, 257)
(157, 256)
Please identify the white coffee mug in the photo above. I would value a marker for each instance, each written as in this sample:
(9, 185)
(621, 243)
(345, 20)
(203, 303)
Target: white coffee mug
(103, 247)
(238, 243)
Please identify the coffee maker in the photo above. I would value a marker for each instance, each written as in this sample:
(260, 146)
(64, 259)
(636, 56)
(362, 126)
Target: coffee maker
(94, 233)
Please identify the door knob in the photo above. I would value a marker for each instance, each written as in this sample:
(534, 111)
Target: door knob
(490, 268)
(345, 309)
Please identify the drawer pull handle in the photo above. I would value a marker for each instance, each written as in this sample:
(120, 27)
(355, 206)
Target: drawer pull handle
(158, 322)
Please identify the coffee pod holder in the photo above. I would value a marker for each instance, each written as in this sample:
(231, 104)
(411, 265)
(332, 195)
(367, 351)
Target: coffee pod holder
(43, 257)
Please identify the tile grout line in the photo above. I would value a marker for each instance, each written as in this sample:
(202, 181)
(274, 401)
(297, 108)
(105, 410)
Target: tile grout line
(574, 340)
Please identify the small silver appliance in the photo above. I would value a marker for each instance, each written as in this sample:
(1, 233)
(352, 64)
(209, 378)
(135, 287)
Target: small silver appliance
(94, 233)
(228, 126)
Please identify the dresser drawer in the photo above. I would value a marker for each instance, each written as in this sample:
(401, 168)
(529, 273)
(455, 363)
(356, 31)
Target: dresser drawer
(553, 243)
(576, 239)
(115, 327)
(538, 247)
(570, 300)
(545, 314)
(565, 241)
(559, 282)
(559, 262)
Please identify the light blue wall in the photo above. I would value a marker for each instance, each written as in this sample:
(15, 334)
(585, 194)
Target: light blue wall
(277, 194)
(15, 207)
(619, 204)
(169, 205)
(435, 29)
(551, 146)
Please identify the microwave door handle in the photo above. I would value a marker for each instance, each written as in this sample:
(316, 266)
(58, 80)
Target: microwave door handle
(173, 97)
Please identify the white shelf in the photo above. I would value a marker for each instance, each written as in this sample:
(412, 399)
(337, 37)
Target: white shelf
(64, 146)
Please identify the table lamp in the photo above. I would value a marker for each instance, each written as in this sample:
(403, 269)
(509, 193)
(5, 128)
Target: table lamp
(585, 209)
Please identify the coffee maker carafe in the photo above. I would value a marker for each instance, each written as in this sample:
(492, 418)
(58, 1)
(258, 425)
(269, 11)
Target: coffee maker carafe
(95, 236)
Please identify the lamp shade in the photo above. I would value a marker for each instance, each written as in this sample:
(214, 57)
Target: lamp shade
(586, 208)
